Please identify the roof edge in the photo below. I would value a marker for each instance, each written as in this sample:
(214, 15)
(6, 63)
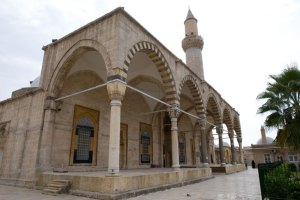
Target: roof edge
(107, 15)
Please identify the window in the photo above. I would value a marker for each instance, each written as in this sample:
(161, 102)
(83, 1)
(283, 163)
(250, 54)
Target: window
(145, 143)
(267, 158)
(181, 145)
(84, 130)
(84, 136)
(1, 155)
(279, 158)
(293, 157)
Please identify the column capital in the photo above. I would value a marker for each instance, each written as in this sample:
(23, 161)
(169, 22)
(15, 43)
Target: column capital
(219, 129)
(51, 104)
(174, 111)
(202, 123)
(239, 139)
(116, 90)
(230, 134)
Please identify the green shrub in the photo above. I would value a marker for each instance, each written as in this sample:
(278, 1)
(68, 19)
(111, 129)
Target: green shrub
(292, 167)
(282, 183)
(294, 189)
(277, 181)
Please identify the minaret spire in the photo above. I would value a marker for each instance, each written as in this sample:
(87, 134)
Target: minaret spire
(190, 15)
(192, 44)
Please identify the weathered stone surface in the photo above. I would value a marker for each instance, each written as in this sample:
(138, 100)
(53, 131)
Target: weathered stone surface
(39, 132)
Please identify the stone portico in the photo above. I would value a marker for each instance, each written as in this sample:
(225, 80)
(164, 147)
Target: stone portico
(111, 97)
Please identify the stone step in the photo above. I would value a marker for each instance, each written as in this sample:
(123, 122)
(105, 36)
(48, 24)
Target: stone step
(54, 186)
(67, 169)
(60, 181)
(50, 191)
(57, 186)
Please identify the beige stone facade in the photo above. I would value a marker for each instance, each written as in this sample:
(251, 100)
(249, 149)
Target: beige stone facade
(117, 124)
(266, 151)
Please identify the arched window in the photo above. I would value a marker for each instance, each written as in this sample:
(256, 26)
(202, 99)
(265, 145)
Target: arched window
(84, 131)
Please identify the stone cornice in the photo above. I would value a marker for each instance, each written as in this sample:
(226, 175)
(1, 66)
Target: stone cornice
(37, 90)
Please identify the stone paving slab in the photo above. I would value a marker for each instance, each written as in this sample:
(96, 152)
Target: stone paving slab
(241, 185)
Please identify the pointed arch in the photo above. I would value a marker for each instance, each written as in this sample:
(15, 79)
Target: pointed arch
(227, 118)
(237, 126)
(162, 66)
(196, 94)
(70, 57)
(213, 108)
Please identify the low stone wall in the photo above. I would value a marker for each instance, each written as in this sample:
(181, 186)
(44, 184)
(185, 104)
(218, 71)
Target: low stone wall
(228, 169)
(128, 185)
(27, 183)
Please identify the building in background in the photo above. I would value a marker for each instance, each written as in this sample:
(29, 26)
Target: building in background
(266, 151)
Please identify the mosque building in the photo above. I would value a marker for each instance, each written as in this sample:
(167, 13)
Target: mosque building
(266, 151)
(112, 98)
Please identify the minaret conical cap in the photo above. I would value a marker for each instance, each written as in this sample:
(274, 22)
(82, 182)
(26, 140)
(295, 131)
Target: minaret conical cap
(190, 15)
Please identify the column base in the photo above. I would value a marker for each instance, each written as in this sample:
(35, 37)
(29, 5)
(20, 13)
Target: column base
(198, 165)
(205, 165)
(113, 172)
(112, 175)
(233, 163)
(223, 164)
(176, 167)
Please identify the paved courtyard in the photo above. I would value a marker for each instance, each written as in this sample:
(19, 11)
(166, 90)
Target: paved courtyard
(242, 185)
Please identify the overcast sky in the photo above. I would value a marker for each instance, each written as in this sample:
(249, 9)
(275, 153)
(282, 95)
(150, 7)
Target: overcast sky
(244, 41)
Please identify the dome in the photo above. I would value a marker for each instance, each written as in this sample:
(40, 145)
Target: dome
(225, 144)
(35, 82)
(269, 140)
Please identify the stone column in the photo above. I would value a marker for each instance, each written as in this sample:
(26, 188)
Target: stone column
(116, 93)
(197, 149)
(173, 112)
(210, 146)
(202, 123)
(240, 149)
(45, 149)
(221, 148)
(232, 147)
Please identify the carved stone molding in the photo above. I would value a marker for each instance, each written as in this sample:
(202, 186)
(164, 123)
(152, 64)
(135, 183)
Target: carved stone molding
(116, 90)
(192, 41)
(219, 129)
(202, 123)
(173, 111)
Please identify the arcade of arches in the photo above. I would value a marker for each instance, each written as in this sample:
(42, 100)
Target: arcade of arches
(112, 126)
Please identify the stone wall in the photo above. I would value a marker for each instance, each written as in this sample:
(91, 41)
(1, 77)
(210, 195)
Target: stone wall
(24, 116)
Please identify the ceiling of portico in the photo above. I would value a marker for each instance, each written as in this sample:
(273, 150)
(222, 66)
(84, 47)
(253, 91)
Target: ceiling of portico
(186, 92)
(90, 61)
(187, 104)
(151, 88)
(143, 75)
(141, 64)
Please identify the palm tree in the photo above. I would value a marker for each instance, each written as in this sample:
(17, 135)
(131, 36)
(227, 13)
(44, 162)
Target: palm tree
(283, 106)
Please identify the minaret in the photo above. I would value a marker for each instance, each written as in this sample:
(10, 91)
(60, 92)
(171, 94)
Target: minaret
(263, 135)
(192, 45)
